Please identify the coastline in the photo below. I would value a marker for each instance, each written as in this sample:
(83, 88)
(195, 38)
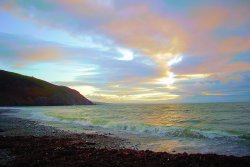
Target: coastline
(28, 143)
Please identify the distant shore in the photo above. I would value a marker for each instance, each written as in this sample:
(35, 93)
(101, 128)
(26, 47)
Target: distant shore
(28, 143)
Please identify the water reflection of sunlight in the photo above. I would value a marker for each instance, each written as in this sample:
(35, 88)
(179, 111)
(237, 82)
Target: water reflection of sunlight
(171, 116)
(171, 146)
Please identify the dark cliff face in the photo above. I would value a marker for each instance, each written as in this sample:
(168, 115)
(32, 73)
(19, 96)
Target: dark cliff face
(20, 90)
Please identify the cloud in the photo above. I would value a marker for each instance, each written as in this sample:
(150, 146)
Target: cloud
(212, 94)
(126, 54)
(99, 17)
(160, 46)
(156, 37)
(209, 18)
(22, 51)
(234, 45)
(88, 70)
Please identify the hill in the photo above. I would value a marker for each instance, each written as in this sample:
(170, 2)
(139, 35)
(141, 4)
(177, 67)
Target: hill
(21, 90)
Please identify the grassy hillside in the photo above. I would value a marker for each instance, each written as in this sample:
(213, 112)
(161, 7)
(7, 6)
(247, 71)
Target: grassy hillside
(21, 90)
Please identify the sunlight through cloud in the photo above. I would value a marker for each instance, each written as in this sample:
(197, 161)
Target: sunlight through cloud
(175, 60)
(169, 80)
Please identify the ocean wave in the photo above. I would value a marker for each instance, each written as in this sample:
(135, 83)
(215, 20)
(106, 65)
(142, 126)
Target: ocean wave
(159, 131)
(245, 136)
(162, 131)
(171, 131)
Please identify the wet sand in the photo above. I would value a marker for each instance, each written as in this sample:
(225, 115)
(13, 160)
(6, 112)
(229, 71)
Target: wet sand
(28, 143)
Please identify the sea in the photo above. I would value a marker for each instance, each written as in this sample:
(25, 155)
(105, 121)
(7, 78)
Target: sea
(221, 128)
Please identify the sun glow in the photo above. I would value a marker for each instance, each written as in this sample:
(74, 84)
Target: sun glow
(169, 80)
(175, 60)
(194, 76)
(86, 90)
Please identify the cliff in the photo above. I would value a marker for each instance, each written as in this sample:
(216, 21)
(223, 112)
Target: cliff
(21, 90)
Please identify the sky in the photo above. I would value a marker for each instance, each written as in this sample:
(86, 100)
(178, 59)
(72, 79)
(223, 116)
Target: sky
(127, 51)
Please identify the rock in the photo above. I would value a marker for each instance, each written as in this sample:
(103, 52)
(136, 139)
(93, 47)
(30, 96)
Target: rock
(89, 143)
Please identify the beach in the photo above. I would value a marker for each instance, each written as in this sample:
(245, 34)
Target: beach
(221, 128)
(28, 143)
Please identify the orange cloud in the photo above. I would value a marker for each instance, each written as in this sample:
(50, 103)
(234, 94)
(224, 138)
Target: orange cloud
(38, 55)
(152, 35)
(234, 45)
(212, 94)
(43, 54)
(207, 19)
(216, 67)
(159, 38)
(204, 21)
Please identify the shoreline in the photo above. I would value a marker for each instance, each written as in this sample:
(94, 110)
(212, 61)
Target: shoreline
(13, 126)
(28, 143)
